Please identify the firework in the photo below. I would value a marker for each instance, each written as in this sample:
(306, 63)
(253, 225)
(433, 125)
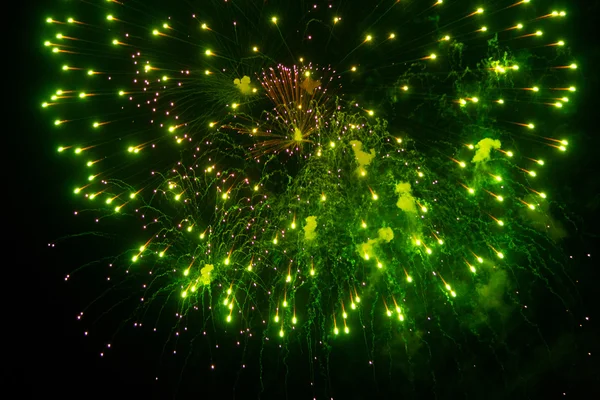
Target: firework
(323, 177)
(301, 103)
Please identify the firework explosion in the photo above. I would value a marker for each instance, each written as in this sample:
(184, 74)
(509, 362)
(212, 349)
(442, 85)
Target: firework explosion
(305, 174)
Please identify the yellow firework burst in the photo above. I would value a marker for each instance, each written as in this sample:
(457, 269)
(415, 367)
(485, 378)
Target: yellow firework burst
(302, 101)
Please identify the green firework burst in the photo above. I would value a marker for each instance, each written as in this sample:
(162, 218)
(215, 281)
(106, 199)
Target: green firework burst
(322, 179)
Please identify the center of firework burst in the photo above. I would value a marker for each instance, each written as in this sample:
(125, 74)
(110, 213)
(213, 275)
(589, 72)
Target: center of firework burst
(310, 84)
(301, 102)
(297, 135)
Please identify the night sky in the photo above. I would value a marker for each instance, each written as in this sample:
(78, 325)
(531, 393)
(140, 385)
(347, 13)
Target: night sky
(49, 357)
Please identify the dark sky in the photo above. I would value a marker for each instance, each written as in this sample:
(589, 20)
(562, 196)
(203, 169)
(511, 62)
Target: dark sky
(49, 356)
